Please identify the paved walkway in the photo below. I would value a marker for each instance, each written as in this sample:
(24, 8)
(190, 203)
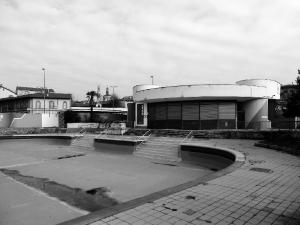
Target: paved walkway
(265, 190)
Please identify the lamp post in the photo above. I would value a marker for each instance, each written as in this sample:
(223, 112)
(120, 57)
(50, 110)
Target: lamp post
(113, 95)
(152, 77)
(44, 89)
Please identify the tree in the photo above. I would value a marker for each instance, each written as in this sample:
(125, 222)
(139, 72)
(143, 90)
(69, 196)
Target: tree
(293, 102)
(90, 95)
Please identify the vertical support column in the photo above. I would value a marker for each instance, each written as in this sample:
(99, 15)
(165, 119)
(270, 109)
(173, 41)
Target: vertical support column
(256, 114)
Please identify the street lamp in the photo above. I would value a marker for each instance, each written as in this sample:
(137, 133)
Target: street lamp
(44, 89)
(152, 79)
(113, 95)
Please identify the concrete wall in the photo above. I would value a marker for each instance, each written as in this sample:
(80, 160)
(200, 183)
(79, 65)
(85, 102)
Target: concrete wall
(7, 118)
(27, 120)
(50, 120)
(273, 87)
(143, 87)
(82, 125)
(242, 90)
(256, 114)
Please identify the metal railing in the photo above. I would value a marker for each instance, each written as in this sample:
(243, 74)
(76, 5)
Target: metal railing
(184, 140)
(187, 137)
(142, 138)
(79, 135)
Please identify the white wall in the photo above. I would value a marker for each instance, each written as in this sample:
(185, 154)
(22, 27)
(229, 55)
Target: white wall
(27, 120)
(7, 118)
(205, 92)
(141, 87)
(240, 91)
(50, 120)
(256, 114)
(273, 87)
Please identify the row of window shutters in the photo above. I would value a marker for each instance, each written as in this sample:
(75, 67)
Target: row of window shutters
(192, 111)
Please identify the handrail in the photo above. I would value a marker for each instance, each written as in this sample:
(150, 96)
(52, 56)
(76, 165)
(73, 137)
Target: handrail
(80, 132)
(187, 137)
(140, 137)
(103, 133)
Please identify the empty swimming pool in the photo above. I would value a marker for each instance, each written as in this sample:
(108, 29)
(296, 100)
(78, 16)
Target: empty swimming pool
(42, 178)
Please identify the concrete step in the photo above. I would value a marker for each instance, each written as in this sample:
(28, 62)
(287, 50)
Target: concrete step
(159, 132)
(159, 157)
(155, 148)
(84, 142)
(159, 148)
(175, 153)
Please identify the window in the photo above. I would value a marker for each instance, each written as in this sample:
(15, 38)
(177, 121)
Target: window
(65, 105)
(38, 104)
(51, 105)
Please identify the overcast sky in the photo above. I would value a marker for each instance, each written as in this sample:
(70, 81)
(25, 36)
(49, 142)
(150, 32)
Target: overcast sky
(85, 43)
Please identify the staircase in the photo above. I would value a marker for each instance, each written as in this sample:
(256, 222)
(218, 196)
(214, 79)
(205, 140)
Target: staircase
(201, 134)
(85, 142)
(160, 148)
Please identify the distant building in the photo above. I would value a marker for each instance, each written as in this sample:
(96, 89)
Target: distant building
(34, 103)
(30, 90)
(107, 96)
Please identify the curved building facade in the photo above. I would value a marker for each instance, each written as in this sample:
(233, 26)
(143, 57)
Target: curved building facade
(204, 106)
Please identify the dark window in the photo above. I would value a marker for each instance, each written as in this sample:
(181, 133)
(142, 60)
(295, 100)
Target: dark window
(51, 105)
(65, 105)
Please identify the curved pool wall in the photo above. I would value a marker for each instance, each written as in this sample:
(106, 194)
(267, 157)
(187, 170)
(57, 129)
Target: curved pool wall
(214, 158)
(67, 137)
(50, 140)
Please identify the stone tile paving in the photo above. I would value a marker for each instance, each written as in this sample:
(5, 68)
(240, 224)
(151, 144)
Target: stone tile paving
(265, 190)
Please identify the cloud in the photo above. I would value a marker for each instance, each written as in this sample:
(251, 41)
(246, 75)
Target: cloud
(110, 42)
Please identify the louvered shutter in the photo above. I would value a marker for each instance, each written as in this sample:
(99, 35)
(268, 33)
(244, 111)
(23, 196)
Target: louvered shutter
(174, 111)
(227, 111)
(190, 111)
(161, 112)
(208, 111)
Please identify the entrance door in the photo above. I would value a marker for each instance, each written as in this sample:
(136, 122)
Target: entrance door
(140, 114)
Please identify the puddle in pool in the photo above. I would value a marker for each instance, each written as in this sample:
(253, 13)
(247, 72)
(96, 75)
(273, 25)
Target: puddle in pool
(90, 200)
